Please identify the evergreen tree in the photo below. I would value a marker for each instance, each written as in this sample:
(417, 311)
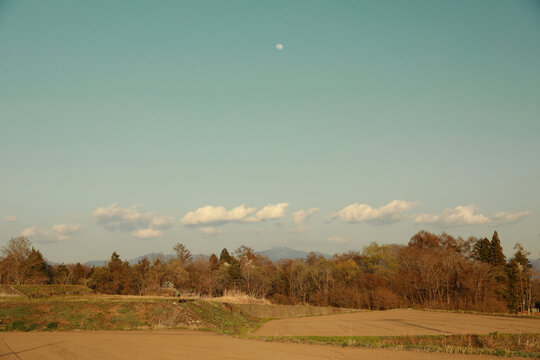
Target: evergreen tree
(514, 291)
(497, 257)
(214, 262)
(521, 279)
(115, 268)
(482, 250)
(225, 256)
(183, 254)
(62, 275)
(39, 270)
(79, 273)
(235, 272)
(522, 259)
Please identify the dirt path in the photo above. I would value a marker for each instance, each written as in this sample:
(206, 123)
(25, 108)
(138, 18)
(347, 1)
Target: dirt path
(398, 322)
(177, 344)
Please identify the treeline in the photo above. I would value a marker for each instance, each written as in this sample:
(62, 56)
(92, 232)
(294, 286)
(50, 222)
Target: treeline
(431, 271)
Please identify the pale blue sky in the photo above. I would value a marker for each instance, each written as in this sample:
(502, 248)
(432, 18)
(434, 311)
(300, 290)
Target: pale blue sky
(176, 105)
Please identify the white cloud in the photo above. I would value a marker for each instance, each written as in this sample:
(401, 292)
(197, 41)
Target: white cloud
(502, 218)
(211, 231)
(357, 213)
(216, 215)
(269, 212)
(64, 231)
(338, 239)
(9, 219)
(113, 218)
(467, 215)
(147, 233)
(162, 222)
(302, 215)
(219, 215)
(58, 232)
(29, 232)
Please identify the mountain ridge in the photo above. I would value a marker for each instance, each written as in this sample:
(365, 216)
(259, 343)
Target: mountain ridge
(275, 254)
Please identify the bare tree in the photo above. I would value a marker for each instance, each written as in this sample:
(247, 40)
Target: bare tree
(17, 256)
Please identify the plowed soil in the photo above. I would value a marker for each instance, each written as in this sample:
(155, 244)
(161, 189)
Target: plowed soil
(177, 344)
(398, 322)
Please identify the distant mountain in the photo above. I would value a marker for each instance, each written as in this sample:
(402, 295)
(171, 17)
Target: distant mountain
(274, 254)
(282, 252)
(96, 263)
(151, 257)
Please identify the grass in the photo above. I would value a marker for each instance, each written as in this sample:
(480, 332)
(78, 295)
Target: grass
(474, 312)
(224, 320)
(111, 313)
(523, 345)
(40, 291)
(239, 297)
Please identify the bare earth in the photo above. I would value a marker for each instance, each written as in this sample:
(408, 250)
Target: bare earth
(178, 344)
(398, 322)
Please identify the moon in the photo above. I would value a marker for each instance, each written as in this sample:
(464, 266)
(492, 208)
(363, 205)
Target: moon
(279, 46)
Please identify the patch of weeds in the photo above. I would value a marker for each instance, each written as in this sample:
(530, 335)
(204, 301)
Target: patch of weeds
(523, 345)
(53, 325)
(31, 327)
(20, 325)
(126, 320)
(17, 325)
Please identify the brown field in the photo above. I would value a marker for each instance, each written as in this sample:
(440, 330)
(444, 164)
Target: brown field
(121, 312)
(398, 322)
(179, 344)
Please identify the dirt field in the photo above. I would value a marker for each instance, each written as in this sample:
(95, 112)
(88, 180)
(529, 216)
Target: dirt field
(272, 311)
(176, 344)
(398, 322)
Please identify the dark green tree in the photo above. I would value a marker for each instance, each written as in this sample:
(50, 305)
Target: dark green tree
(497, 257)
(225, 256)
(115, 268)
(235, 272)
(234, 268)
(482, 250)
(521, 257)
(514, 292)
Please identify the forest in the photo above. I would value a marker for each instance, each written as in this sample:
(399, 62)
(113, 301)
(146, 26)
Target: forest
(436, 271)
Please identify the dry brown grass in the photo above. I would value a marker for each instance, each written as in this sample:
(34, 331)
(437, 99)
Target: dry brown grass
(238, 297)
(524, 345)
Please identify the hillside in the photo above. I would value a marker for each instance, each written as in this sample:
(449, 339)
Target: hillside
(122, 313)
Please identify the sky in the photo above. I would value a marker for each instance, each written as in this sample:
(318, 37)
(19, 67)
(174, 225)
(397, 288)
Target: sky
(130, 126)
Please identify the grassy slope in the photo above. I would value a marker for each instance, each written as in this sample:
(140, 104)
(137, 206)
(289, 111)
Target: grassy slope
(121, 314)
(39, 291)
